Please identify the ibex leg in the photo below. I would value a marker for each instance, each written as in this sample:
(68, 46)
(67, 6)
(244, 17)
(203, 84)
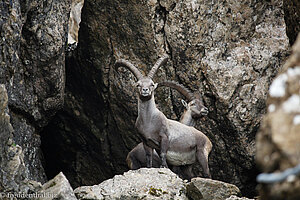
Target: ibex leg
(203, 160)
(164, 146)
(149, 155)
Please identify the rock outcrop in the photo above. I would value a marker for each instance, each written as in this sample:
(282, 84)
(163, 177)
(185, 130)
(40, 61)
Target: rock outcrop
(13, 175)
(145, 183)
(228, 50)
(278, 139)
(154, 183)
(33, 36)
(211, 189)
(57, 188)
(74, 21)
(233, 197)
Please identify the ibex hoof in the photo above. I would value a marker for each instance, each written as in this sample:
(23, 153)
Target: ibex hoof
(207, 176)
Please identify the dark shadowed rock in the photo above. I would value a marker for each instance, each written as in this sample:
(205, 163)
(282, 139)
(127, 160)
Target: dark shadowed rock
(33, 36)
(292, 19)
(13, 175)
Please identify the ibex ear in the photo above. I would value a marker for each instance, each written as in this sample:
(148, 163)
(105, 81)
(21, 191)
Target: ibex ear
(155, 85)
(184, 103)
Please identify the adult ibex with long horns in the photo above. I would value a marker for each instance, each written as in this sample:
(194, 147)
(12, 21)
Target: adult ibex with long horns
(177, 143)
(194, 110)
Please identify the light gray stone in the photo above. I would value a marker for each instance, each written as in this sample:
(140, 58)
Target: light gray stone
(145, 183)
(57, 188)
(210, 189)
(233, 197)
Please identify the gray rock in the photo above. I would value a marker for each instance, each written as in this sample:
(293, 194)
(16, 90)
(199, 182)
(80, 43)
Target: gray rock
(13, 175)
(57, 188)
(33, 36)
(233, 197)
(207, 189)
(144, 183)
(74, 21)
(278, 139)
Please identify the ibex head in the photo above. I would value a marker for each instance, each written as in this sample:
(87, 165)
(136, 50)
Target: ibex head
(196, 106)
(145, 84)
(195, 103)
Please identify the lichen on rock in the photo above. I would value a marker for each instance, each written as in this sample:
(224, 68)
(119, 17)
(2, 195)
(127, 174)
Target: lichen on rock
(13, 177)
(143, 183)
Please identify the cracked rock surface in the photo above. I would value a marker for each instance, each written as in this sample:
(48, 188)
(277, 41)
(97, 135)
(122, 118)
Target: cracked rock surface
(13, 174)
(138, 184)
(33, 35)
(228, 50)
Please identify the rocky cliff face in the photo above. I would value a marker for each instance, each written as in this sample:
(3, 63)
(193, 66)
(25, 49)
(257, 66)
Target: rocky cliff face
(14, 176)
(228, 50)
(33, 35)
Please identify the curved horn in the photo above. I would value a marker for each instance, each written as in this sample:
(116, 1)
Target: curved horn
(128, 65)
(163, 60)
(197, 95)
(180, 88)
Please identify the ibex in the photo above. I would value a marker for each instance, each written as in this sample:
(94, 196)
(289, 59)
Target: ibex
(195, 108)
(177, 143)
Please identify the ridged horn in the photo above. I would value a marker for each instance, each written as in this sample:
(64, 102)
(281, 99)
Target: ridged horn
(197, 95)
(163, 60)
(180, 88)
(130, 66)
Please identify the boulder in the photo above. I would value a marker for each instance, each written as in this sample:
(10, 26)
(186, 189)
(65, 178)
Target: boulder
(207, 189)
(278, 139)
(57, 188)
(233, 197)
(144, 183)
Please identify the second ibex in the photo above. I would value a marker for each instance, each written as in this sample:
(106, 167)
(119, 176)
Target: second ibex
(177, 143)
